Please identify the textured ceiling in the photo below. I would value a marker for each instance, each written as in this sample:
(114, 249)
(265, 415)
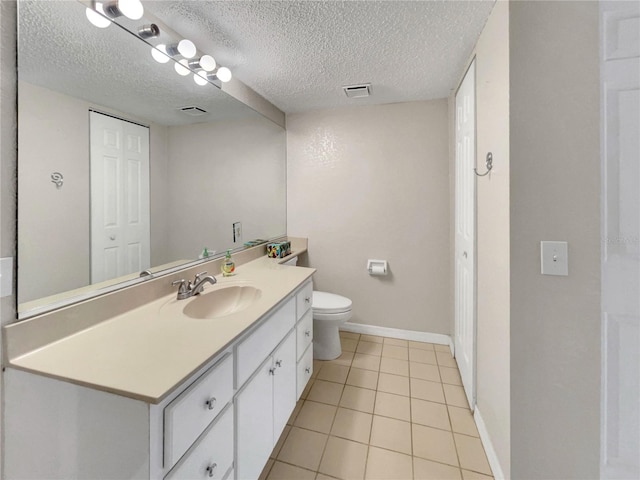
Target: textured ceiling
(60, 50)
(298, 54)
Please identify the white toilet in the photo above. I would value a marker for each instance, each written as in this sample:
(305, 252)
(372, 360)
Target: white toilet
(329, 312)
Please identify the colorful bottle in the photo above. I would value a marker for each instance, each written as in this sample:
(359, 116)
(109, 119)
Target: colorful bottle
(228, 267)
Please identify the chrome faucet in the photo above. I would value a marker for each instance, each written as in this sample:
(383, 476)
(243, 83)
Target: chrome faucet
(188, 289)
(199, 281)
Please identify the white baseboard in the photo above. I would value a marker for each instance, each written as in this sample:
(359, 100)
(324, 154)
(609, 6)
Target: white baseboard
(494, 463)
(413, 335)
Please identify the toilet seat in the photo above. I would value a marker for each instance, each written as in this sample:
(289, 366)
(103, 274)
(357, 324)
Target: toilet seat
(324, 303)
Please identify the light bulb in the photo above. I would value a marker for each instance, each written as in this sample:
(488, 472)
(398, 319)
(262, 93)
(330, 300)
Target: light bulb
(132, 9)
(187, 49)
(208, 63)
(95, 18)
(159, 53)
(181, 67)
(200, 78)
(223, 74)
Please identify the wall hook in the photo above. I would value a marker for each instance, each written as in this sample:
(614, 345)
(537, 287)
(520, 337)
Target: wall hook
(58, 179)
(489, 164)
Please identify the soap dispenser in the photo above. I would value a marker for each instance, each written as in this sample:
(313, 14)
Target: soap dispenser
(228, 267)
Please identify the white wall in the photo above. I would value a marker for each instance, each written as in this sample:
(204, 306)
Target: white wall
(54, 137)
(492, 202)
(54, 224)
(555, 195)
(373, 182)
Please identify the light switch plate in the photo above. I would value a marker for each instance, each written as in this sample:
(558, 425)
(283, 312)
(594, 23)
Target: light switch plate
(554, 258)
(6, 276)
(237, 232)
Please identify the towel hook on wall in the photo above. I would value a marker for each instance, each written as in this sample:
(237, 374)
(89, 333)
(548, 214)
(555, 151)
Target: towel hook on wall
(58, 179)
(489, 164)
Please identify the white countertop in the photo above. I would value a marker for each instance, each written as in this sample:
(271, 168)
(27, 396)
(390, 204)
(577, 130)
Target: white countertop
(150, 350)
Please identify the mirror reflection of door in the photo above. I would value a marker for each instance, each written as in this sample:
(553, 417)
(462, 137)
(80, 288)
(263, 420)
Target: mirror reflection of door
(120, 224)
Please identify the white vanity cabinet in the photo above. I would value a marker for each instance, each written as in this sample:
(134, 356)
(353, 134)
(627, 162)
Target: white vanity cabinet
(221, 423)
(263, 408)
(265, 402)
(304, 332)
(59, 430)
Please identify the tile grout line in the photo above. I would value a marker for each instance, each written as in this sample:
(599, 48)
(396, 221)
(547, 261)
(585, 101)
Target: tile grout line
(410, 397)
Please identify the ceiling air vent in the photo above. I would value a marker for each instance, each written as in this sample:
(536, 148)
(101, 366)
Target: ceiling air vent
(357, 91)
(193, 111)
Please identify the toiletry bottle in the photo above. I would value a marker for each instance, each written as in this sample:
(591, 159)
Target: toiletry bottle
(228, 266)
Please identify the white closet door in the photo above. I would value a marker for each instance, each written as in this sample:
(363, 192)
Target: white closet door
(465, 234)
(620, 69)
(120, 223)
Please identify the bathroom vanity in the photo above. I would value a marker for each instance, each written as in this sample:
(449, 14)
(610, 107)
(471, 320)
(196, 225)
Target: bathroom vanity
(162, 391)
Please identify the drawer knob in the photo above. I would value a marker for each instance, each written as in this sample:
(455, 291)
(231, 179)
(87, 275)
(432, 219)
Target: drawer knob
(211, 403)
(211, 469)
(307, 333)
(278, 363)
(307, 299)
(272, 371)
(307, 370)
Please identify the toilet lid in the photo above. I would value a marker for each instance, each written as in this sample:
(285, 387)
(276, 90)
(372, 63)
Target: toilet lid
(330, 302)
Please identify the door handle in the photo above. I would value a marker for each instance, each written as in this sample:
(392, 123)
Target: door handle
(464, 254)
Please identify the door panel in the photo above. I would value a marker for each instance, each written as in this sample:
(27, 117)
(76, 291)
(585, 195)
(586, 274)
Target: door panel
(620, 83)
(254, 423)
(119, 198)
(284, 384)
(465, 330)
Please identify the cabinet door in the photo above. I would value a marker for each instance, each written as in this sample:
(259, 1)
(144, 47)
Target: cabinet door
(284, 384)
(254, 421)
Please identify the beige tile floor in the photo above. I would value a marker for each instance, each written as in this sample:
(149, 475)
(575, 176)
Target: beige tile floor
(386, 409)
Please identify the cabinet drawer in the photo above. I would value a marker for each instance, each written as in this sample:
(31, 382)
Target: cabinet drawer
(259, 345)
(212, 455)
(305, 370)
(304, 332)
(188, 415)
(304, 298)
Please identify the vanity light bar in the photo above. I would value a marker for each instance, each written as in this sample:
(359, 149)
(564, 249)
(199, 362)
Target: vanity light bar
(101, 14)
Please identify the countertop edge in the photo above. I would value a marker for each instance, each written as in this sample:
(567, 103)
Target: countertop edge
(156, 399)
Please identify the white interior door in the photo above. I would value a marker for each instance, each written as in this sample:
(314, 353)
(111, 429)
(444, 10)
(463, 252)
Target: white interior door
(120, 223)
(620, 70)
(465, 234)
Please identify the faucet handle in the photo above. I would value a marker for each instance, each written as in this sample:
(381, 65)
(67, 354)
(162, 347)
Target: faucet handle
(198, 275)
(184, 285)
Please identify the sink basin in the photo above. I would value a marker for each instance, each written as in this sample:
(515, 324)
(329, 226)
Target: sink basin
(221, 302)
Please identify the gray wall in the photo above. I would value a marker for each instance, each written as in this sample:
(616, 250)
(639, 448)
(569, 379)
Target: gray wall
(555, 195)
(8, 155)
(221, 173)
(373, 182)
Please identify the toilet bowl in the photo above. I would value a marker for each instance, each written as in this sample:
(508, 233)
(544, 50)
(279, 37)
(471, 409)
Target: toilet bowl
(329, 312)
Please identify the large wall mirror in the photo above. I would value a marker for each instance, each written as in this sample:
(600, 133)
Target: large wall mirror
(114, 176)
